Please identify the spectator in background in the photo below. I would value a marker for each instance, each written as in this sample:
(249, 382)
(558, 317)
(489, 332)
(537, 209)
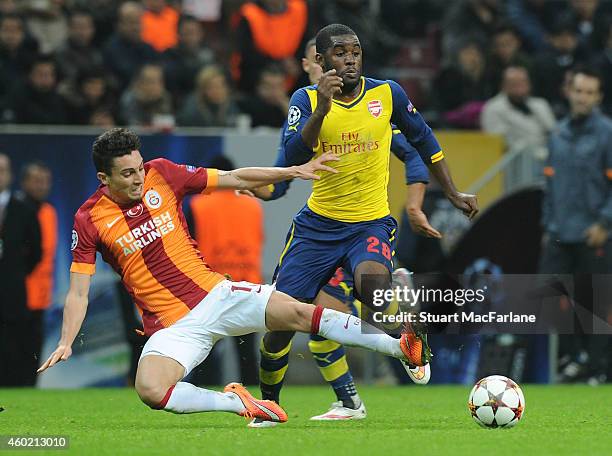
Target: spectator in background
(462, 88)
(47, 22)
(183, 62)
(589, 20)
(16, 53)
(159, 25)
(577, 215)
(20, 252)
(603, 62)
(38, 101)
(211, 104)
(505, 51)
(269, 106)
(269, 31)
(550, 66)
(36, 184)
(103, 118)
(410, 18)
(147, 98)
(473, 20)
(8, 6)
(524, 121)
(89, 95)
(104, 13)
(379, 43)
(534, 19)
(125, 52)
(78, 53)
(229, 231)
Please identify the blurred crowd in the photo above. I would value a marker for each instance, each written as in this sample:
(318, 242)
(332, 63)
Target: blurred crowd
(213, 63)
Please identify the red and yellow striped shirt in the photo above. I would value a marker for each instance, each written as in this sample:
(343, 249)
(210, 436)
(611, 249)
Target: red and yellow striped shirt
(148, 243)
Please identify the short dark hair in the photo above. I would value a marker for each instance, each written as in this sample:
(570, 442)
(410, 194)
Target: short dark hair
(589, 71)
(42, 59)
(311, 42)
(184, 18)
(28, 167)
(563, 26)
(324, 37)
(271, 69)
(74, 12)
(113, 143)
(505, 27)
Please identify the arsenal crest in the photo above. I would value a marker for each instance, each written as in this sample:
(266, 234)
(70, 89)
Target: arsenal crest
(375, 107)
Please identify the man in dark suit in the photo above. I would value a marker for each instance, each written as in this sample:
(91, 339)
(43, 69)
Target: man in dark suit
(20, 251)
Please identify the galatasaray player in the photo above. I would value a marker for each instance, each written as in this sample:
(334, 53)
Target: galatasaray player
(135, 220)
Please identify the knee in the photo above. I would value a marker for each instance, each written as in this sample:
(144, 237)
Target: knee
(303, 317)
(150, 392)
(277, 341)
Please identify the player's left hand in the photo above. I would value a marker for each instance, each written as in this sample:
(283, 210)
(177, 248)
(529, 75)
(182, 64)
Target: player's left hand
(61, 353)
(420, 224)
(466, 203)
(596, 235)
(245, 193)
(307, 170)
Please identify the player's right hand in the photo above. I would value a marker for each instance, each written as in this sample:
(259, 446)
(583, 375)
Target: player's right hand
(61, 353)
(329, 85)
(307, 170)
(466, 203)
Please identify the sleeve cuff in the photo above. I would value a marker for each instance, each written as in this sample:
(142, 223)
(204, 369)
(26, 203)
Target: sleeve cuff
(297, 152)
(212, 178)
(83, 268)
(437, 157)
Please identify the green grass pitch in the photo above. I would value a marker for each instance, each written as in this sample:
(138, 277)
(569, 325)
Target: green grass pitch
(432, 420)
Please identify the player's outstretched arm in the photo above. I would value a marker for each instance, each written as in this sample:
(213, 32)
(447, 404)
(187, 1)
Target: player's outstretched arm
(74, 313)
(251, 178)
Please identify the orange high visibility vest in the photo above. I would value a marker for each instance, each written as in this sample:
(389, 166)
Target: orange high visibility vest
(160, 30)
(39, 284)
(229, 233)
(277, 35)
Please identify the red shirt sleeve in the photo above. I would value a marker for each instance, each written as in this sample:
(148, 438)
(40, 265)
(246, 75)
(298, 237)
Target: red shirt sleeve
(84, 242)
(185, 179)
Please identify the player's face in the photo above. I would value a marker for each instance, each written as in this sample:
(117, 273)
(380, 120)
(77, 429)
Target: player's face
(310, 65)
(126, 180)
(345, 57)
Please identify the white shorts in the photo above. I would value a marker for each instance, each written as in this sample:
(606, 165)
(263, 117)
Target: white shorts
(230, 309)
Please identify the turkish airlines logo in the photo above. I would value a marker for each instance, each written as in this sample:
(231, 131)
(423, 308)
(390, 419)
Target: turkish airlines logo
(135, 211)
(153, 199)
(375, 107)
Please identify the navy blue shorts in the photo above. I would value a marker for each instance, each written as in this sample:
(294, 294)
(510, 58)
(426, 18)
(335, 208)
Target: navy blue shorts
(316, 246)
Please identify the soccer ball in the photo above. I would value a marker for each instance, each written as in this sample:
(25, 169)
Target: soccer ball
(496, 401)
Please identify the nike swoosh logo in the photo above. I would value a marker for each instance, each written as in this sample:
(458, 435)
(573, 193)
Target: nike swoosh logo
(347, 322)
(110, 225)
(266, 410)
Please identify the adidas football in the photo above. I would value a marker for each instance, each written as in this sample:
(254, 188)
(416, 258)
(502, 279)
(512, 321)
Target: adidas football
(496, 401)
